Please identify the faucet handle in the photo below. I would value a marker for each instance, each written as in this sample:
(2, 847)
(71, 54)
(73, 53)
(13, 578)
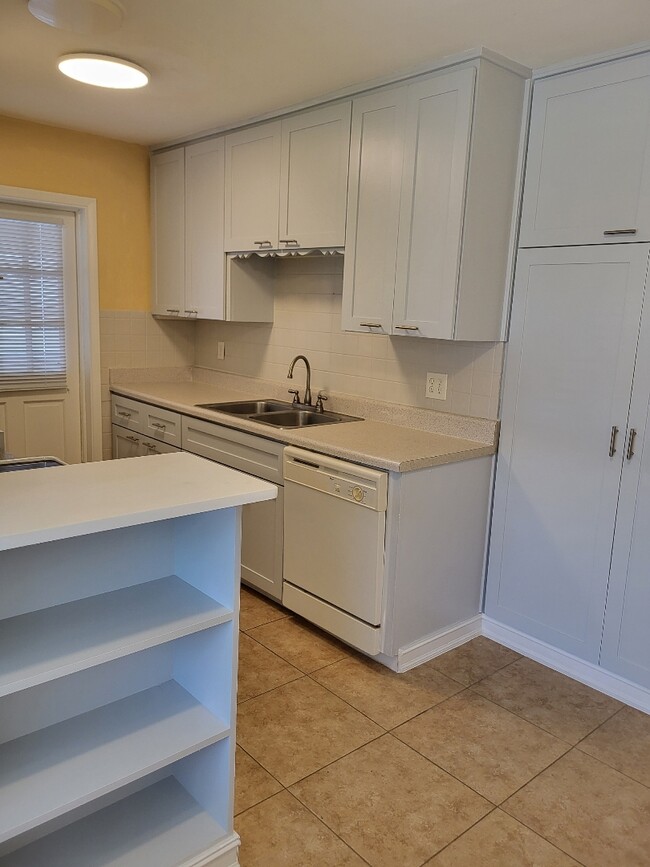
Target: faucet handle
(320, 397)
(295, 393)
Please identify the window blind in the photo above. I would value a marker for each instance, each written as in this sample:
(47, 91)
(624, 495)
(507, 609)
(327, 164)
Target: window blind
(32, 316)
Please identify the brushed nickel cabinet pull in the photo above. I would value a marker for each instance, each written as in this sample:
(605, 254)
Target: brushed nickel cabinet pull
(630, 444)
(123, 413)
(620, 232)
(370, 325)
(612, 441)
(263, 243)
(132, 439)
(407, 327)
(291, 241)
(173, 310)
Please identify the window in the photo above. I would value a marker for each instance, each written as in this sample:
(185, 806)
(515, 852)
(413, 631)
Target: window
(32, 312)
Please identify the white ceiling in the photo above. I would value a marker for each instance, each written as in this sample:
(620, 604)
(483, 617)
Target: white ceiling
(215, 63)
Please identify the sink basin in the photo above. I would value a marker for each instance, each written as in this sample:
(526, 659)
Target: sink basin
(247, 407)
(278, 413)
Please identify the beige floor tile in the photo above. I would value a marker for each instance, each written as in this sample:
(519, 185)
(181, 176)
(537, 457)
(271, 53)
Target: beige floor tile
(588, 810)
(299, 728)
(260, 670)
(255, 609)
(386, 697)
(281, 833)
(481, 744)
(558, 704)
(390, 804)
(500, 841)
(299, 643)
(475, 660)
(624, 743)
(252, 783)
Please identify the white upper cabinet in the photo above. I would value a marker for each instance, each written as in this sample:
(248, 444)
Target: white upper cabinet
(431, 193)
(286, 182)
(588, 167)
(168, 231)
(314, 177)
(253, 187)
(187, 215)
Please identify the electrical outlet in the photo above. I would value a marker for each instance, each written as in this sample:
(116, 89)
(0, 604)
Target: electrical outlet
(436, 386)
(221, 351)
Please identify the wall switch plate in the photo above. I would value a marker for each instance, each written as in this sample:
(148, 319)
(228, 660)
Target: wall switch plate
(221, 350)
(436, 387)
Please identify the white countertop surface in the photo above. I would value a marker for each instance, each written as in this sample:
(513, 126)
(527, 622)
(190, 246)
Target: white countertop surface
(368, 442)
(41, 505)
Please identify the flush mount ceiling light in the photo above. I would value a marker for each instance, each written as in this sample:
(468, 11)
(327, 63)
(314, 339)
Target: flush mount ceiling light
(101, 70)
(81, 16)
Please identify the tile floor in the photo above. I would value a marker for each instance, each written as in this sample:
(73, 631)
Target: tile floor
(480, 757)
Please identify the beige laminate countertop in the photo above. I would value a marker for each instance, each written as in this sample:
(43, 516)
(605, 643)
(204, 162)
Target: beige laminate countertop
(368, 442)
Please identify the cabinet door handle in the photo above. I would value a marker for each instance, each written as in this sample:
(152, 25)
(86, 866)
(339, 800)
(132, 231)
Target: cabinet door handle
(370, 325)
(263, 243)
(630, 444)
(288, 241)
(124, 414)
(612, 441)
(132, 439)
(407, 327)
(191, 312)
(620, 232)
(157, 424)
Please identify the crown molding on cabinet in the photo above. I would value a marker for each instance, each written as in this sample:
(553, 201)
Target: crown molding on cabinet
(591, 60)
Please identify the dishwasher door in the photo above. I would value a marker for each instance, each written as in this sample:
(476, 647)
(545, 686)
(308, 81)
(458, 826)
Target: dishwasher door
(334, 531)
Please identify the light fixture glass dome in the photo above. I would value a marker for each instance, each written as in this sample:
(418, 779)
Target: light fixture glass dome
(101, 70)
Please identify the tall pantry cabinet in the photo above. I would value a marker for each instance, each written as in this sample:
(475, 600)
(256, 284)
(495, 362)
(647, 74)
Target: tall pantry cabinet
(569, 547)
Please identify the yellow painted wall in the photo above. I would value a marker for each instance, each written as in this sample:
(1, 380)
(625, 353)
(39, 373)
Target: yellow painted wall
(114, 173)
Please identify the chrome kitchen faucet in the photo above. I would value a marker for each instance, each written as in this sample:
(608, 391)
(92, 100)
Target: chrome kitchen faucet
(294, 391)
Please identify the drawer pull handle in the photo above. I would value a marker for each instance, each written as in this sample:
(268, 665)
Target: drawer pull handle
(159, 426)
(612, 441)
(124, 414)
(620, 232)
(630, 444)
(370, 324)
(132, 439)
(173, 310)
(407, 327)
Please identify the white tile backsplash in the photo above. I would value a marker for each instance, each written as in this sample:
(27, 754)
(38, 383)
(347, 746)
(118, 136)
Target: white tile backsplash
(307, 319)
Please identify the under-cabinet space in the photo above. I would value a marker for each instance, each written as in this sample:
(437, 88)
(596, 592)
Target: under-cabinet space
(431, 195)
(588, 164)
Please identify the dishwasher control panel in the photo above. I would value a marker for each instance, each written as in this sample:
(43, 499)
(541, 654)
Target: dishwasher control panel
(358, 485)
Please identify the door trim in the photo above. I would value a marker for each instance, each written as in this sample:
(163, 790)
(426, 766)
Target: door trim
(85, 211)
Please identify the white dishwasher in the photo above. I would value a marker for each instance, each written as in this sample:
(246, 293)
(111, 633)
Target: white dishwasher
(334, 533)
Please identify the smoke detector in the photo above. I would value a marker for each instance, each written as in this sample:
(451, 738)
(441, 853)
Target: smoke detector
(91, 17)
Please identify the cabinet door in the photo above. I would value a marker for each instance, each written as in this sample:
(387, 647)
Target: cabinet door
(626, 639)
(125, 443)
(376, 152)
(204, 211)
(570, 362)
(261, 545)
(253, 187)
(168, 224)
(588, 167)
(314, 177)
(436, 151)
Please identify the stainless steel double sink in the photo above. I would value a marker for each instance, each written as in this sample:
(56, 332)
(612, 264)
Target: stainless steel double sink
(278, 413)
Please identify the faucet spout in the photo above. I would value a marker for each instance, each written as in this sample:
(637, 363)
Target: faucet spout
(307, 400)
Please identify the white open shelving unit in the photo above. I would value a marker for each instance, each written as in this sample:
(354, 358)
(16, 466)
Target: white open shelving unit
(118, 663)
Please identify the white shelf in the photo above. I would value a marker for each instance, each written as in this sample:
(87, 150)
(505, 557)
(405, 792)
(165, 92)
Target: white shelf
(161, 826)
(52, 771)
(58, 641)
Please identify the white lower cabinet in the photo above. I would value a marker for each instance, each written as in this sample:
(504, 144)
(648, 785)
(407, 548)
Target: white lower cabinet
(117, 689)
(130, 445)
(572, 481)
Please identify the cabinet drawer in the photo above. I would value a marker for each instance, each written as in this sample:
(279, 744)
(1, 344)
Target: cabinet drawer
(241, 451)
(128, 413)
(161, 424)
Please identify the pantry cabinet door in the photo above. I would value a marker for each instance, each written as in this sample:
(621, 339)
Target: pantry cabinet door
(253, 187)
(376, 151)
(205, 262)
(314, 177)
(168, 225)
(588, 165)
(569, 367)
(626, 639)
(438, 127)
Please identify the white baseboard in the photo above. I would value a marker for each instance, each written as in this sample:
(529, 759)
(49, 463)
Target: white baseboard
(433, 645)
(559, 660)
(224, 854)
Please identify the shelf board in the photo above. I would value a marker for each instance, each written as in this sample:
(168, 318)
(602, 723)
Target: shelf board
(56, 769)
(161, 826)
(54, 642)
